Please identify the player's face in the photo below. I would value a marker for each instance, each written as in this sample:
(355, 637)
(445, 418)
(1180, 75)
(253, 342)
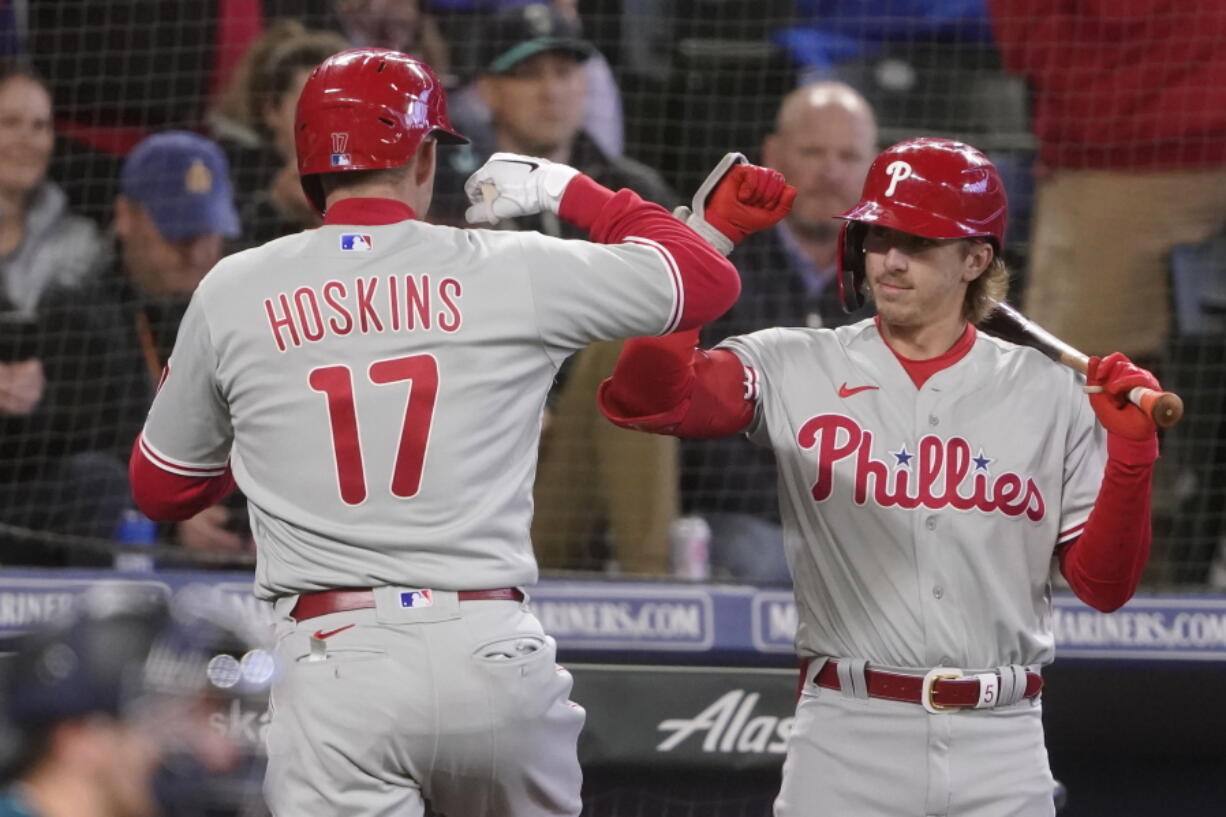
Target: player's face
(160, 266)
(825, 154)
(539, 104)
(26, 137)
(916, 281)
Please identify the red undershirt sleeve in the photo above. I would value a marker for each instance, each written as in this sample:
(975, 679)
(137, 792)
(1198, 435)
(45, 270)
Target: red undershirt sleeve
(666, 386)
(1103, 566)
(710, 283)
(167, 497)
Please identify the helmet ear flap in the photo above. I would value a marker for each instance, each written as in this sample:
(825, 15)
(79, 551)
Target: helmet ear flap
(851, 265)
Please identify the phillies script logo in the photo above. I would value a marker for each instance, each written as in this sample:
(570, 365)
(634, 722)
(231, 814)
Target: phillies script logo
(940, 474)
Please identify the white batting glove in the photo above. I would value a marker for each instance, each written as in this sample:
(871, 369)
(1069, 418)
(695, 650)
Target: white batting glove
(510, 185)
(695, 215)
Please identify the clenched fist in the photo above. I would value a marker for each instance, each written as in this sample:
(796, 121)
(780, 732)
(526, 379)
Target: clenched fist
(749, 199)
(737, 199)
(510, 185)
(1109, 380)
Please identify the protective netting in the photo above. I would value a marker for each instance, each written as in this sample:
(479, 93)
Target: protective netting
(1106, 121)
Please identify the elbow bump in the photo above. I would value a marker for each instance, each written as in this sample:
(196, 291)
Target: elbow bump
(733, 289)
(699, 312)
(648, 426)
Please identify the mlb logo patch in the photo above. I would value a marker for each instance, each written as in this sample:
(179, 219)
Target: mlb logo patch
(356, 242)
(417, 598)
(341, 160)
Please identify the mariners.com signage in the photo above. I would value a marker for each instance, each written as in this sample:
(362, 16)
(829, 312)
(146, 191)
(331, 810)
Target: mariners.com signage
(725, 718)
(1164, 628)
(611, 616)
(720, 621)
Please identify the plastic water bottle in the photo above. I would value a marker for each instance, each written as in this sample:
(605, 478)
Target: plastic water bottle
(135, 530)
(690, 540)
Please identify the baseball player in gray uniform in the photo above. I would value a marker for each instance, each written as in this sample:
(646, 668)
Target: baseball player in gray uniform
(375, 388)
(928, 474)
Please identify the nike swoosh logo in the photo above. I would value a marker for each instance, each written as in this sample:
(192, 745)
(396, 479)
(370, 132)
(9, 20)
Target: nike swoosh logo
(533, 165)
(322, 635)
(846, 392)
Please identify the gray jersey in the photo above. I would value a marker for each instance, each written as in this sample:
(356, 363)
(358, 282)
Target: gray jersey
(920, 523)
(378, 392)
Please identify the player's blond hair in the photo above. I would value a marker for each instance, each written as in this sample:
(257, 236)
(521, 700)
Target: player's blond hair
(986, 291)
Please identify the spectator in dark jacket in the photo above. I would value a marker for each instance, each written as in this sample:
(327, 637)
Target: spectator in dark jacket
(601, 492)
(112, 340)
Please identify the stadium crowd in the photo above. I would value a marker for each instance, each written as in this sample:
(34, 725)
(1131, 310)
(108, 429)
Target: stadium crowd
(135, 151)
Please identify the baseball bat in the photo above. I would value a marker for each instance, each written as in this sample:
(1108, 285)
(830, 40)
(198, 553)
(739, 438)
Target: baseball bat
(1163, 407)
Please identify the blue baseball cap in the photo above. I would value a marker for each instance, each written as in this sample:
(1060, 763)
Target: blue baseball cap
(183, 180)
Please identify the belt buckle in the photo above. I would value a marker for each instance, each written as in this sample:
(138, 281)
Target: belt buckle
(926, 692)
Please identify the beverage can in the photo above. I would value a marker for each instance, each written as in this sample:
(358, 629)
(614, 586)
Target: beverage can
(690, 541)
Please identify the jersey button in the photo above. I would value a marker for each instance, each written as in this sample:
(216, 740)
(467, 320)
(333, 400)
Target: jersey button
(933, 421)
(931, 523)
(938, 592)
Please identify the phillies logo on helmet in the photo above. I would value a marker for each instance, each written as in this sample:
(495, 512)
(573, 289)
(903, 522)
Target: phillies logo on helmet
(898, 171)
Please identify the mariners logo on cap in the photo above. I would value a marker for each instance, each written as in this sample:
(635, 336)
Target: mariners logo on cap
(417, 598)
(340, 146)
(198, 179)
(538, 19)
(356, 242)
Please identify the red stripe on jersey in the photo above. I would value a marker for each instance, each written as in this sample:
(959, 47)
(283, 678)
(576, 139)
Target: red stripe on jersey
(678, 287)
(1071, 533)
(709, 283)
(176, 466)
(752, 384)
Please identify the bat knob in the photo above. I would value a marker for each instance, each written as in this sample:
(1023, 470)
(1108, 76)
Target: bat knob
(1168, 410)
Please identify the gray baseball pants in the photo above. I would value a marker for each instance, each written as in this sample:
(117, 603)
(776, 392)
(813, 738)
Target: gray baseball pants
(459, 704)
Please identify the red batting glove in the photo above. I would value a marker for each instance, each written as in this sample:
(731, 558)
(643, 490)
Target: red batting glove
(748, 199)
(1116, 376)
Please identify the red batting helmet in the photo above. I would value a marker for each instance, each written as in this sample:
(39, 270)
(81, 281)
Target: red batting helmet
(367, 109)
(935, 188)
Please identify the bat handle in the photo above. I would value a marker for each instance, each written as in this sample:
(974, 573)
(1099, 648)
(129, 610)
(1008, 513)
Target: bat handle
(1163, 407)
